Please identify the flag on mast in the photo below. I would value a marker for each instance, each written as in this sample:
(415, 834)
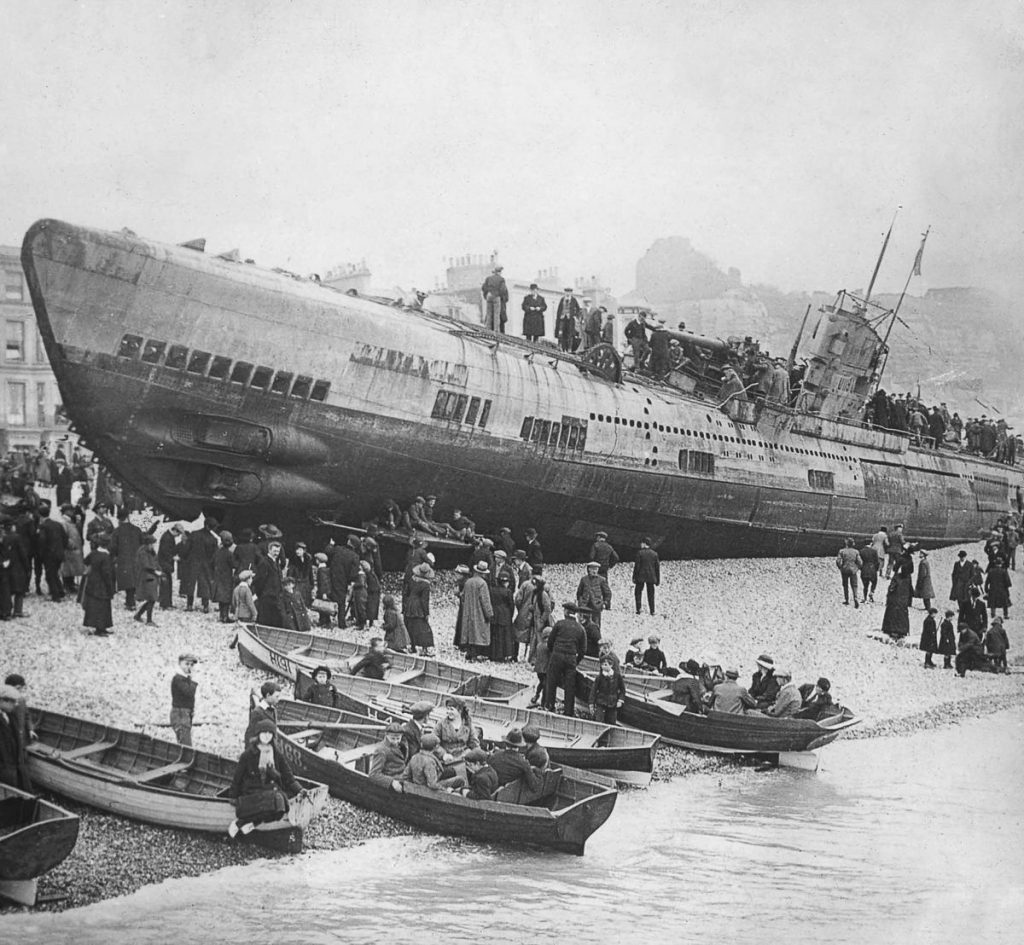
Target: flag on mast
(920, 252)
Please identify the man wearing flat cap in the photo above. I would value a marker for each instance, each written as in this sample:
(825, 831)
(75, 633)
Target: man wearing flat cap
(594, 592)
(425, 767)
(567, 645)
(534, 307)
(483, 779)
(414, 729)
(388, 760)
(603, 553)
(730, 697)
(495, 295)
(567, 316)
(510, 764)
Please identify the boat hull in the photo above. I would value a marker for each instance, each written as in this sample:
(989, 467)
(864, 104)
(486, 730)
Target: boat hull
(35, 836)
(191, 439)
(626, 755)
(565, 830)
(721, 732)
(191, 799)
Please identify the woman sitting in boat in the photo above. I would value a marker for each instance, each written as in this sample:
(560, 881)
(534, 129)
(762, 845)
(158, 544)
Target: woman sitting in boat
(764, 686)
(320, 691)
(455, 731)
(789, 701)
(262, 779)
(635, 655)
(654, 659)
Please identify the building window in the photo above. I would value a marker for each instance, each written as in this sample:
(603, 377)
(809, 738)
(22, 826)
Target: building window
(14, 287)
(40, 404)
(822, 481)
(15, 404)
(40, 350)
(15, 341)
(153, 351)
(320, 389)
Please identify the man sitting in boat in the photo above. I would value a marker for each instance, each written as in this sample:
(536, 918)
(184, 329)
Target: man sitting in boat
(687, 689)
(320, 691)
(388, 761)
(414, 729)
(730, 697)
(509, 763)
(536, 754)
(265, 710)
(764, 687)
(483, 779)
(425, 768)
(262, 778)
(375, 663)
(818, 702)
(788, 702)
(462, 527)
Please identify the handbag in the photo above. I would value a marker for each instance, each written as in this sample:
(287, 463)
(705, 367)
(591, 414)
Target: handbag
(325, 607)
(264, 804)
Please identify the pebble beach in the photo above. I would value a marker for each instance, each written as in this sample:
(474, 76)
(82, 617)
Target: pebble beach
(734, 609)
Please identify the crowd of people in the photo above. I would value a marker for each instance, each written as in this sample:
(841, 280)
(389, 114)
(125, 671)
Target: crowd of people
(978, 643)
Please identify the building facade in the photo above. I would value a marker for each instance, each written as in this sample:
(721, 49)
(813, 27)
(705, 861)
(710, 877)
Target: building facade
(30, 408)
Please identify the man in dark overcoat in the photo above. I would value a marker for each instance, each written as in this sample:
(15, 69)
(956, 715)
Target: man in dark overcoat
(343, 563)
(53, 543)
(565, 320)
(167, 550)
(603, 553)
(567, 645)
(593, 592)
(124, 549)
(495, 294)
(534, 307)
(646, 574)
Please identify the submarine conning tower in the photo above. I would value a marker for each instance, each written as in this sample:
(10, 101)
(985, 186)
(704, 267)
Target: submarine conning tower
(843, 368)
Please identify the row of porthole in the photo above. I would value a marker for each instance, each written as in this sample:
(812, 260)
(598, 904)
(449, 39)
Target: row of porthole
(661, 428)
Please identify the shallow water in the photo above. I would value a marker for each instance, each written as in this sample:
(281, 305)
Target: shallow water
(914, 839)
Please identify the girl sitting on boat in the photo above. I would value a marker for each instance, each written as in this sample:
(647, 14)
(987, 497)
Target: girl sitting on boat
(262, 781)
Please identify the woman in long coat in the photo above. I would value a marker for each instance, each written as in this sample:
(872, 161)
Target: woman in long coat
(147, 578)
(462, 574)
(503, 639)
(960, 585)
(534, 614)
(923, 588)
(224, 575)
(417, 609)
(896, 620)
(997, 586)
(929, 638)
(74, 563)
(98, 589)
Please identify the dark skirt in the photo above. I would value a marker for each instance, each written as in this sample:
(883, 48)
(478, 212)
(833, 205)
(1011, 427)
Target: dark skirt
(503, 642)
(419, 631)
(97, 613)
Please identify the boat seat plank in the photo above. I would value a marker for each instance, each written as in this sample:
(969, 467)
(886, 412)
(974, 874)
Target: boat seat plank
(86, 750)
(402, 679)
(299, 651)
(158, 773)
(659, 694)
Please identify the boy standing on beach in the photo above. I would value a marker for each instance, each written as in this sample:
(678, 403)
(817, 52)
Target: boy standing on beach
(183, 698)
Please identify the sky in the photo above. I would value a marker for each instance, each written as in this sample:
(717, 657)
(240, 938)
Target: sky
(780, 136)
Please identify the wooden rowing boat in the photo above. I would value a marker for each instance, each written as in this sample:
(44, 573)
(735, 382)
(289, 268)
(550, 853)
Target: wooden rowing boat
(647, 707)
(152, 780)
(35, 836)
(284, 652)
(570, 806)
(625, 754)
